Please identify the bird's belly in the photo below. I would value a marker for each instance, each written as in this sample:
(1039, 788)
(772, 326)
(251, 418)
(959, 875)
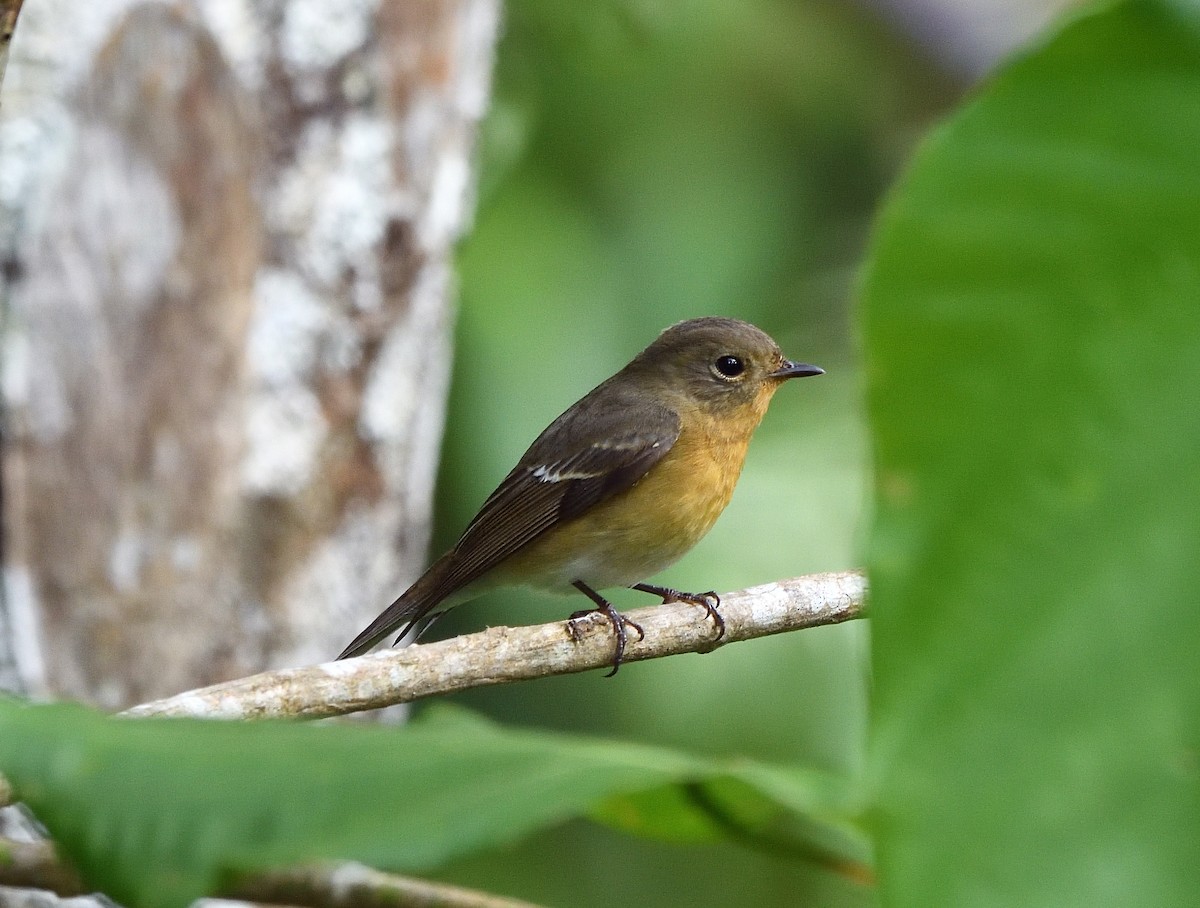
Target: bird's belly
(639, 532)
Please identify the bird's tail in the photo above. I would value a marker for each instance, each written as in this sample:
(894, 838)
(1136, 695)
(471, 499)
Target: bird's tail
(414, 604)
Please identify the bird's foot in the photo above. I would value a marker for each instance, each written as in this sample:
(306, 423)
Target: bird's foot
(619, 623)
(710, 600)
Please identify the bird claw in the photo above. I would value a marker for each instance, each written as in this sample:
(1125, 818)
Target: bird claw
(710, 600)
(618, 621)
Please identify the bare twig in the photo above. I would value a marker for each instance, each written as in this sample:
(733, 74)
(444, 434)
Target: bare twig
(502, 655)
(36, 865)
(9, 10)
(358, 886)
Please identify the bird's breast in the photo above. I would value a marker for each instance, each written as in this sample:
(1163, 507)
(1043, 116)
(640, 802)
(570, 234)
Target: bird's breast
(644, 529)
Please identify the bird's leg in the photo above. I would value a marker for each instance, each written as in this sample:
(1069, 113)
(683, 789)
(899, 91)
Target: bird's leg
(619, 622)
(710, 600)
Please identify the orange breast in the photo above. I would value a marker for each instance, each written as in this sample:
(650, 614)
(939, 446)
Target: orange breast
(637, 533)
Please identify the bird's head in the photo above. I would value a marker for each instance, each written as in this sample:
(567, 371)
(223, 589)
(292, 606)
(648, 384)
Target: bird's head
(721, 365)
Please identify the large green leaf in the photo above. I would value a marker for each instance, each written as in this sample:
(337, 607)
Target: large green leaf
(158, 812)
(1032, 314)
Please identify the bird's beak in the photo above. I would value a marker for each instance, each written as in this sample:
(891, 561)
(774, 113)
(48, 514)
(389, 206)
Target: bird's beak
(790, 369)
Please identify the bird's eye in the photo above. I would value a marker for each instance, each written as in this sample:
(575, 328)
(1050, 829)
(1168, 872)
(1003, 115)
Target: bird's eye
(729, 366)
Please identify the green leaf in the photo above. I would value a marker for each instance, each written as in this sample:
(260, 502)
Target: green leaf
(1032, 322)
(159, 812)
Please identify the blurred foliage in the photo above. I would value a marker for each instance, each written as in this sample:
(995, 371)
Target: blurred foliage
(156, 813)
(644, 163)
(1036, 555)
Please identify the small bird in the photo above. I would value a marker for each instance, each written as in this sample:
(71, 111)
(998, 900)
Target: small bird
(620, 486)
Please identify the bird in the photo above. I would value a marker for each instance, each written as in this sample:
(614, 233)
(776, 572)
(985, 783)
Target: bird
(617, 488)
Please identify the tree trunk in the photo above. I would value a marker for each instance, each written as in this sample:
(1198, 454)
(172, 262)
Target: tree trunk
(228, 308)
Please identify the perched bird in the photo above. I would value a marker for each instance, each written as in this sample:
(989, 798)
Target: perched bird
(620, 486)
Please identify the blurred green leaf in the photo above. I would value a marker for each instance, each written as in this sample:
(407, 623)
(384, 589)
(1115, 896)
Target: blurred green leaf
(158, 812)
(1033, 342)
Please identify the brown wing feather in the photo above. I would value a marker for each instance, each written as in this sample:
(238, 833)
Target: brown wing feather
(563, 474)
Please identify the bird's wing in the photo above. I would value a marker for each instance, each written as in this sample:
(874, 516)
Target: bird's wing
(574, 465)
(598, 448)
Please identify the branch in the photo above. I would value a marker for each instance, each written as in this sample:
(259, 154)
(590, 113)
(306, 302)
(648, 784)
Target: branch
(36, 865)
(501, 655)
(9, 10)
(358, 886)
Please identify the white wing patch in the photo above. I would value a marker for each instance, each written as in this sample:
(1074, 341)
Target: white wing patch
(559, 472)
(563, 470)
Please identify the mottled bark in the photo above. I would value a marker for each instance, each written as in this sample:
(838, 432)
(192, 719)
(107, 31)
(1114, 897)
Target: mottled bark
(228, 340)
(9, 11)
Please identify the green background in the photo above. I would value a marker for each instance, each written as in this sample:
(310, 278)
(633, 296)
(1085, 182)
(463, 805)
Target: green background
(1030, 318)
